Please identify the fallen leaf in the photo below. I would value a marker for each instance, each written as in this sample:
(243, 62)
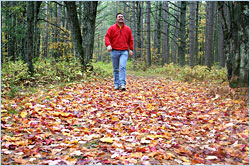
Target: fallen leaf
(23, 114)
(107, 140)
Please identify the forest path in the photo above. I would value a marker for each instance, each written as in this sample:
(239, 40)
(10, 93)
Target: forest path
(155, 121)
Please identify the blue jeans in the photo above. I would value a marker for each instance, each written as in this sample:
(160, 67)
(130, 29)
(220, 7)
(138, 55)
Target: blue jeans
(119, 61)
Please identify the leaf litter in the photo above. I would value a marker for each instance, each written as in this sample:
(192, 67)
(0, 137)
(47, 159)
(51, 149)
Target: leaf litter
(154, 122)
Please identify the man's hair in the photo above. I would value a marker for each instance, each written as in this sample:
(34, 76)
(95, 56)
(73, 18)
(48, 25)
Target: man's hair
(118, 14)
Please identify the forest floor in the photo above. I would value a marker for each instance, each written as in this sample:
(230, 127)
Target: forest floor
(156, 121)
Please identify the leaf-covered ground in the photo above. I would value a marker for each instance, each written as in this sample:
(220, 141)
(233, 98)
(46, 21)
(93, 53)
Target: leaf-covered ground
(154, 122)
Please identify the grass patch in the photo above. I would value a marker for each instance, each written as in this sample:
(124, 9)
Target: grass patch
(103, 69)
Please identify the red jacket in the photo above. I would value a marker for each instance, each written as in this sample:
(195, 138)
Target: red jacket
(119, 39)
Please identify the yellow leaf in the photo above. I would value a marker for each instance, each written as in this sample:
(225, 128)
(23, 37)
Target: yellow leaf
(136, 155)
(4, 111)
(149, 106)
(23, 114)
(56, 113)
(169, 156)
(154, 136)
(185, 159)
(28, 105)
(107, 140)
(65, 134)
(65, 114)
(37, 109)
(74, 142)
(115, 119)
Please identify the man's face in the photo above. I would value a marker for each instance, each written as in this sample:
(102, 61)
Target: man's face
(120, 18)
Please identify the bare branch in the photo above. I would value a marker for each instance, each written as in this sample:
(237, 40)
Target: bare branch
(40, 19)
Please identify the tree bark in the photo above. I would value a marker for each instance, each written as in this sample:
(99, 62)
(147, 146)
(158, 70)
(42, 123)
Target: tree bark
(30, 33)
(159, 27)
(155, 24)
(235, 27)
(196, 33)
(165, 45)
(142, 34)
(138, 29)
(36, 40)
(134, 34)
(45, 54)
(221, 43)
(11, 33)
(182, 47)
(192, 34)
(209, 56)
(89, 19)
(148, 34)
(76, 31)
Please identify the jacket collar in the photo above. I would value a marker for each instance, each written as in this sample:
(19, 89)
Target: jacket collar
(119, 26)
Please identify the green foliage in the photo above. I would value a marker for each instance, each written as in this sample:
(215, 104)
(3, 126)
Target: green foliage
(103, 69)
(13, 73)
(15, 77)
(13, 91)
(63, 47)
(48, 70)
(189, 74)
(13, 111)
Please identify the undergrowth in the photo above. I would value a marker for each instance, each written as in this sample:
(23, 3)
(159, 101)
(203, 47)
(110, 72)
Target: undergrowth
(189, 74)
(172, 71)
(15, 79)
(50, 73)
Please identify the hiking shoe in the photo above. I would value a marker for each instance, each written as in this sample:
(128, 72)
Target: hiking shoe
(116, 87)
(123, 88)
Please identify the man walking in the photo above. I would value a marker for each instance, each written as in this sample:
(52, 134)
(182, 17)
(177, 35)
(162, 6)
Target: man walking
(119, 41)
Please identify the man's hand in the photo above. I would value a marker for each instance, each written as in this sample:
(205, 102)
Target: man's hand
(109, 48)
(130, 53)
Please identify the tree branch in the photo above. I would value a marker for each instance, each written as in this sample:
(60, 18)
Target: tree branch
(59, 3)
(41, 19)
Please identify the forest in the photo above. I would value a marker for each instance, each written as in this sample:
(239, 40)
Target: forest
(187, 96)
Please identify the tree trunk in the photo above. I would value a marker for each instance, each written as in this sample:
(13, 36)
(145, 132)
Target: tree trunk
(209, 57)
(30, 33)
(134, 34)
(36, 40)
(236, 41)
(216, 35)
(221, 43)
(76, 31)
(142, 33)
(155, 24)
(59, 20)
(138, 30)
(196, 33)
(89, 19)
(174, 49)
(148, 34)
(11, 33)
(45, 54)
(192, 34)
(159, 27)
(182, 47)
(165, 45)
